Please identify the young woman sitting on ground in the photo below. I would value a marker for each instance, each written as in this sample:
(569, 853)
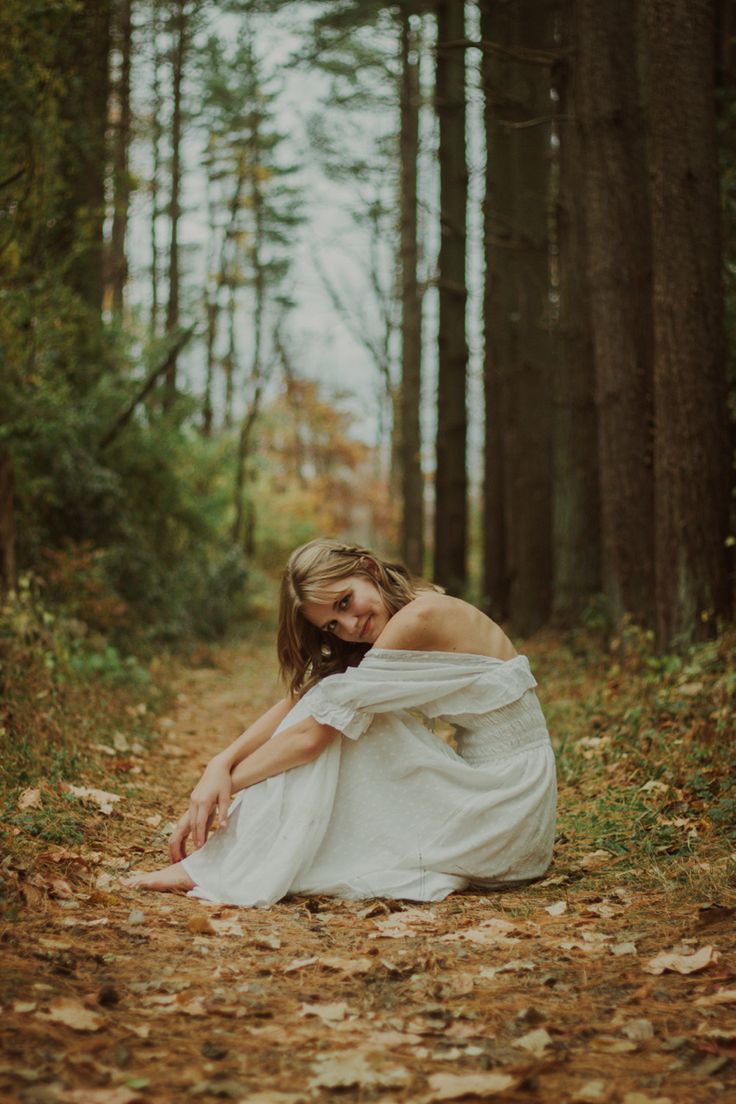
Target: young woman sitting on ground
(343, 787)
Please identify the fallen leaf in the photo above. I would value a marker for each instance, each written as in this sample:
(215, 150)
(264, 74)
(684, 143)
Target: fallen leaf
(342, 1071)
(495, 931)
(594, 859)
(136, 916)
(592, 1092)
(154, 821)
(275, 1098)
(608, 1044)
(642, 1098)
(506, 967)
(638, 1030)
(682, 964)
(121, 1095)
(200, 925)
(29, 799)
(271, 942)
(228, 925)
(559, 908)
(328, 1013)
(536, 1042)
(623, 949)
(453, 1086)
(24, 1006)
(71, 1013)
(301, 964)
(101, 798)
(347, 966)
(721, 996)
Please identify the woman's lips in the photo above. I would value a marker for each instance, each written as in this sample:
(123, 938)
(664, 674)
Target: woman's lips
(366, 623)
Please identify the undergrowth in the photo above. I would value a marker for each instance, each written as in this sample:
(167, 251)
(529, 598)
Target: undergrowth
(69, 701)
(646, 751)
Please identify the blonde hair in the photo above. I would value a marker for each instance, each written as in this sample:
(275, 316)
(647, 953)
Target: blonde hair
(307, 654)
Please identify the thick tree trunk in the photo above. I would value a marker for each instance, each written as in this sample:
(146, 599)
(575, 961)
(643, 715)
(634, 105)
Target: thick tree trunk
(7, 522)
(619, 269)
(410, 447)
(180, 31)
(156, 135)
(499, 254)
(121, 148)
(450, 521)
(83, 69)
(529, 409)
(692, 461)
(576, 503)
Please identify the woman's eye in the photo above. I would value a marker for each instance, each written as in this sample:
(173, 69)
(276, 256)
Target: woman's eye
(344, 602)
(331, 626)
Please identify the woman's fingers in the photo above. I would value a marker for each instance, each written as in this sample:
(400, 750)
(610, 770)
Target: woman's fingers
(223, 803)
(178, 839)
(201, 823)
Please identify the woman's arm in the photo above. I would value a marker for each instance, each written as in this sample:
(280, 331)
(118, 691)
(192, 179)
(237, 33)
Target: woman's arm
(214, 788)
(295, 746)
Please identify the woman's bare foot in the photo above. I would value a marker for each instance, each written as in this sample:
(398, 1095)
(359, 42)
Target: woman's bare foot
(171, 878)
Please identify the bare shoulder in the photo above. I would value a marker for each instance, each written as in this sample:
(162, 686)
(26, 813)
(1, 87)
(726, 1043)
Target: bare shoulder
(438, 622)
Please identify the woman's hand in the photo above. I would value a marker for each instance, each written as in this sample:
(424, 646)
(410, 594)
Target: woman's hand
(178, 838)
(213, 791)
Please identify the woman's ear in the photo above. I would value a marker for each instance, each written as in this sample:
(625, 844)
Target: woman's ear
(369, 565)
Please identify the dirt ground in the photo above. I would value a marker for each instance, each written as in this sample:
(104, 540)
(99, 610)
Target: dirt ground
(585, 987)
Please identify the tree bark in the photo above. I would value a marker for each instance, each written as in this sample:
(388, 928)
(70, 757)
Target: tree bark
(83, 70)
(156, 134)
(121, 148)
(7, 522)
(619, 269)
(692, 461)
(410, 447)
(451, 512)
(576, 503)
(498, 218)
(180, 30)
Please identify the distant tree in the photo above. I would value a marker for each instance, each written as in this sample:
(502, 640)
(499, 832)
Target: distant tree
(451, 488)
(618, 231)
(121, 178)
(692, 461)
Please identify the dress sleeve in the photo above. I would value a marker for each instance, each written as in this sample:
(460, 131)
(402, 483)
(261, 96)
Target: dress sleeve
(436, 683)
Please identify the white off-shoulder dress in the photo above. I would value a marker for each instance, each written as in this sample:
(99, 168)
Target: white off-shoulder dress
(391, 810)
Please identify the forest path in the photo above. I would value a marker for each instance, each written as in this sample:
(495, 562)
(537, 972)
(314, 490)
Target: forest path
(111, 996)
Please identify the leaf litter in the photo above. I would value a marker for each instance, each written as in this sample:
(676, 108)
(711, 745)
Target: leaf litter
(109, 996)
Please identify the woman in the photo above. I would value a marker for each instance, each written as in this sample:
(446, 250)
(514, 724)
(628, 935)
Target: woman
(343, 787)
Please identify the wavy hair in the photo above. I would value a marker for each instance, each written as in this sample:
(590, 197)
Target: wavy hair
(307, 654)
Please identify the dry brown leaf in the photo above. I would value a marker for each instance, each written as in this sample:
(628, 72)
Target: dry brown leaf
(721, 996)
(200, 925)
(506, 967)
(608, 1044)
(274, 1097)
(120, 1095)
(72, 1013)
(453, 1086)
(638, 1030)
(24, 1006)
(682, 964)
(536, 1042)
(301, 964)
(30, 798)
(400, 925)
(349, 1068)
(592, 1092)
(642, 1098)
(350, 967)
(101, 798)
(227, 925)
(494, 931)
(559, 908)
(593, 859)
(619, 949)
(328, 1013)
(270, 942)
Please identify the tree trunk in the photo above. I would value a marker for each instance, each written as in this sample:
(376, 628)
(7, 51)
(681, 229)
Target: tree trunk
(499, 255)
(156, 134)
(83, 70)
(451, 510)
(180, 30)
(576, 504)
(619, 269)
(7, 522)
(529, 409)
(410, 446)
(121, 174)
(692, 461)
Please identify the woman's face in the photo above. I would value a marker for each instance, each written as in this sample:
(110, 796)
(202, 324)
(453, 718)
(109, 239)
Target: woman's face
(352, 609)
